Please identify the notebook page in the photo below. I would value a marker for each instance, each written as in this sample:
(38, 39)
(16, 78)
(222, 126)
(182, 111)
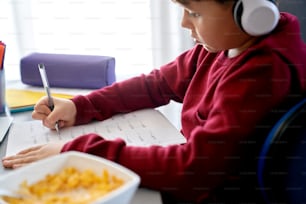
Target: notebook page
(140, 128)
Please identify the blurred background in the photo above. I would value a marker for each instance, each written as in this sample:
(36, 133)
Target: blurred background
(140, 34)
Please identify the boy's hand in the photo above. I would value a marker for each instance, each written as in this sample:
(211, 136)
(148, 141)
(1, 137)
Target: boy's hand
(31, 155)
(64, 112)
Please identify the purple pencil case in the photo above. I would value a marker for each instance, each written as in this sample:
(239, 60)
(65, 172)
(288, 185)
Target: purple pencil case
(69, 71)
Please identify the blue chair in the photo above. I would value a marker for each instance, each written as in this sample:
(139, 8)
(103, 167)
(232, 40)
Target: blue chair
(281, 167)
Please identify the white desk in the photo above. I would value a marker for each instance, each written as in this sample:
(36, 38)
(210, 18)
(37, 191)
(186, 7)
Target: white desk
(142, 195)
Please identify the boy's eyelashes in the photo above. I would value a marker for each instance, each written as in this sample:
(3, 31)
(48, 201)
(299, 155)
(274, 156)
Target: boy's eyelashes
(192, 14)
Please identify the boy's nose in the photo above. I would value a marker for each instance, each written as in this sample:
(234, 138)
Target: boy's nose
(185, 22)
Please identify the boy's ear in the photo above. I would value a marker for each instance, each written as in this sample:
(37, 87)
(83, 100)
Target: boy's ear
(256, 17)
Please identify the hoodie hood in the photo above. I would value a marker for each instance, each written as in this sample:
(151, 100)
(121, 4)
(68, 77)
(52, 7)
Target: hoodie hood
(287, 42)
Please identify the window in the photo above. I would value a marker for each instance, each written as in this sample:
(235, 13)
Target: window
(119, 28)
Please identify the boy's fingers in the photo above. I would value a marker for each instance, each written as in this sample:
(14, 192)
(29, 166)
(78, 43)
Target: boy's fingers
(40, 113)
(17, 162)
(42, 109)
(29, 149)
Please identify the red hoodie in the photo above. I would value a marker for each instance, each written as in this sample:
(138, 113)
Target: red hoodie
(223, 100)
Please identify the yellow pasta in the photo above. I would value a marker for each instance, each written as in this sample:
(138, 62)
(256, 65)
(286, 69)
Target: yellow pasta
(69, 186)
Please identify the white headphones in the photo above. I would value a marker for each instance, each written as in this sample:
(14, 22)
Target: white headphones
(256, 17)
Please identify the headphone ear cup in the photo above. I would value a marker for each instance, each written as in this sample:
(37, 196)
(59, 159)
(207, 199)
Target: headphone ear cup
(256, 17)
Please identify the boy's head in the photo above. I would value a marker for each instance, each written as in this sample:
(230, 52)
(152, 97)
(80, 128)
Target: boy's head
(256, 17)
(227, 24)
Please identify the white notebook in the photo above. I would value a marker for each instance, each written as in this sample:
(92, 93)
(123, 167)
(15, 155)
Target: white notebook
(140, 128)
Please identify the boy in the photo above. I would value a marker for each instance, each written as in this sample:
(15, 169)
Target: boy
(228, 83)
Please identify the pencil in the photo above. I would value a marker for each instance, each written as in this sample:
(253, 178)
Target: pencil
(45, 82)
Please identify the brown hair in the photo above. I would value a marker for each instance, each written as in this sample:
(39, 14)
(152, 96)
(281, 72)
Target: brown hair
(187, 1)
(219, 1)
